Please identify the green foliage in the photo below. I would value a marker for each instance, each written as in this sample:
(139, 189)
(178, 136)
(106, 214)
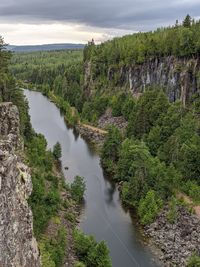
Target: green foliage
(172, 213)
(45, 256)
(90, 252)
(53, 249)
(149, 207)
(44, 202)
(165, 127)
(142, 172)
(132, 156)
(117, 104)
(177, 40)
(150, 107)
(9, 92)
(57, 151)
(98, 104)
(192, 189)
(79, 264)
(111, 148)
(182, 148)
(61, 75)
(78, 188)
(194, 261)
(187, 21)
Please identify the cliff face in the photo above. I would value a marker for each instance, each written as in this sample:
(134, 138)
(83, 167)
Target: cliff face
(18, 247)
(180, 78)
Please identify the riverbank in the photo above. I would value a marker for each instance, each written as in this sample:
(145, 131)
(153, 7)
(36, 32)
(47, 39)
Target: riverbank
(174, 234)
(94, 135)
(60, 228)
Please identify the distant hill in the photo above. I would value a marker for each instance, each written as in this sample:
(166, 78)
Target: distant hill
(44, 47)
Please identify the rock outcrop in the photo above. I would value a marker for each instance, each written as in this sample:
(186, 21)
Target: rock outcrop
(177, 241)
(107, 119)
(179, 77)
(92, 134)
(18, 247)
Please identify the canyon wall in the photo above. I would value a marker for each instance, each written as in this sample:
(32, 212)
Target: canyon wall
(18, 247)
(179, 77)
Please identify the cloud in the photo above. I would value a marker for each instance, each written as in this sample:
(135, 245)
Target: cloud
(45, 21)
(23, 34)
(126, 14)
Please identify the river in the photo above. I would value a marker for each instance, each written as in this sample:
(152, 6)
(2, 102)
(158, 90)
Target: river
(103, 215)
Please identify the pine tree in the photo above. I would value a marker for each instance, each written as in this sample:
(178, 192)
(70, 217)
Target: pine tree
(187, 21)
(57, 151)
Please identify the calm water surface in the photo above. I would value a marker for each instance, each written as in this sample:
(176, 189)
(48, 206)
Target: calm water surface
(103, 215)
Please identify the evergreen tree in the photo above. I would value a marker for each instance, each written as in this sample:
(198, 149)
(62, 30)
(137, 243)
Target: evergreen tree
(57, 151)
(187, 21)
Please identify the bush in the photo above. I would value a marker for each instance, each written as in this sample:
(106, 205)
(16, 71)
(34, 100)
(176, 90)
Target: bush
(53, 249)
(194, 261)
(57, 152)
(79, 264)
(90, 252)
(110, 149)
(149, 207)
(45, 256)
(172, 214)
(192, 189)
(78, 188)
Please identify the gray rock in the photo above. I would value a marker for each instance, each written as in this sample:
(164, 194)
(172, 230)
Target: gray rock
(18, 247)
(177, 241)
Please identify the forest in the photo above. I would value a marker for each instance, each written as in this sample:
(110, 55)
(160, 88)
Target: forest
(180, 40)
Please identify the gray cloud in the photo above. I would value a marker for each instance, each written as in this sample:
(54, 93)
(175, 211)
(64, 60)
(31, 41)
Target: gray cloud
(124, 14)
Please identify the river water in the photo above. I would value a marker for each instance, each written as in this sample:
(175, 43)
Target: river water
(103, 215)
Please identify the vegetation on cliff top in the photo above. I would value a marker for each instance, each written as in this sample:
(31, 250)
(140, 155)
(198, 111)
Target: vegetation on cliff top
(180, 40)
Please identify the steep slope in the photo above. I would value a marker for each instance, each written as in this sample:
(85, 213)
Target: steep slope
(179, 77)
(18, 247)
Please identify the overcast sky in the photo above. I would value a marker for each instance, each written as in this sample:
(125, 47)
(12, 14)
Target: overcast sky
(62, 21)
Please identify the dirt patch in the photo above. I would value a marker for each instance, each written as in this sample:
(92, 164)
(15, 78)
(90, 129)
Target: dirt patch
(95, 129)
(189, 201)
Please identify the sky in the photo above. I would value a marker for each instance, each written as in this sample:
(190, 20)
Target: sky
(77, 21)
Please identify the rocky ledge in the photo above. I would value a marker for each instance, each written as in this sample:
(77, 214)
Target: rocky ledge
(18, 247)
(107, 119)
(92, 134)
(177, 241)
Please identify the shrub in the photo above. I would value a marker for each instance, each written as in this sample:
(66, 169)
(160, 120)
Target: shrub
(79, 264)
(45, 256)
(172, 214)
(90, 252)
(149, 207)
(57, 152)
(192, 189)
(194, 261)
(78, 188)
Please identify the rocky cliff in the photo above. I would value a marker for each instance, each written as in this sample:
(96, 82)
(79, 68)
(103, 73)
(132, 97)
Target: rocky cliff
(18, 247)
(180, 77)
